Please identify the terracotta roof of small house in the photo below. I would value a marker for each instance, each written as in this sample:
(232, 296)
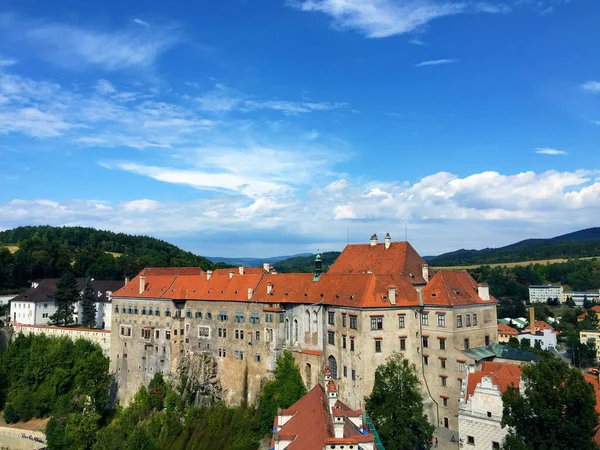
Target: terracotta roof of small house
(506, 329)
(453, 288)
(45, 289)
(501, 374)
(595, 382)
(595, 308)
(540, 325)
(399, 258)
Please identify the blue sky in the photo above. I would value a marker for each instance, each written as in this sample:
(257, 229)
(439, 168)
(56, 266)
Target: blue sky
(257, 128)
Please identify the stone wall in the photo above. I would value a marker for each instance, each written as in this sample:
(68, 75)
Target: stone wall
(100, 337)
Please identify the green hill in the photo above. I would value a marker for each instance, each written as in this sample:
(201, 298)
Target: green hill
(583, 243)
(45, 251)
(305, 263)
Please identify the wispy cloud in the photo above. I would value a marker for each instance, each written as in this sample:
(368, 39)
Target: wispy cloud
(141, 22)
(78, 47)
(384, 18)
(591, 86)
(491, 8)
(436, 62)
(550, 151)
(415, 41)
(7, 62)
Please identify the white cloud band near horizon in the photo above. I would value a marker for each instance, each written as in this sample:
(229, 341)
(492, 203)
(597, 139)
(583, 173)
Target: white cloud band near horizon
(549, 151)
(436, 62)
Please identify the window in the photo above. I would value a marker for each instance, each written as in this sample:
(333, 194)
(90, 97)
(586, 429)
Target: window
(129, 310)
(258, 335)
(331, 338)
(188, 313)
(222, 316)
(424, 318)
(239, 317)
(474, 319)
(345, 372)
(443, 363)
(489, 414)
(470, 440)
(126, 331)
(254, 318)
(257, 357)
(344, 320)
(442, 343)
(401, 318)
(146, 333)
(402, 343)
(343, 341)
(203, 332)
(444, 380)
(239, 334)
(157, 311)
(208, 315)
(377, 345)
(157, 334)
(442, 320)
(116, 308)
(461, 366)
(353, 375)
(296, 330)
(458, 321)
(331, 318)
(351, 344)
(466, 343)
(287, 329)
(467, 320)
(425, 360)
(487, 339)
(376, 322)
(167, 335)
(222, 352)
(333, 367)
(239, 355)
(198, 314)
(495, 445)
(425, 341)
(445, 401)
(168, 312)
(143, 310)
(44, 315)
(353, 322)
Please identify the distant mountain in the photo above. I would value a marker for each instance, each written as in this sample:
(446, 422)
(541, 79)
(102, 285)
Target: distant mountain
(252, 262)
(579, 244)
(306, 263)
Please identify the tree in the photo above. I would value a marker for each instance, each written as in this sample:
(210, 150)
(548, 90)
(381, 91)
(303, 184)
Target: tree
(88, 305)
(555, 411)
(570, 302)
(282, 392)
(158, 391)
(396, 406)
(590, 322)
(513, 342)
(65, 296)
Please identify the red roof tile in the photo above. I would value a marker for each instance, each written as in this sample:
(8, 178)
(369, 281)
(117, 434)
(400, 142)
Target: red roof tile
(595, 308)
(540, 325)
(502, 375)
(506, 329)
(453, 288)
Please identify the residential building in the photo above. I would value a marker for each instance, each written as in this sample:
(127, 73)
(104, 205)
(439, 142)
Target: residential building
(595, 309)
(592, 337)
(36, 305)
(542, 333)
(320, 421)
(580, 297)
(480, 409)
(376, 299)
(541, 293)
(505, 332)
(518, 322)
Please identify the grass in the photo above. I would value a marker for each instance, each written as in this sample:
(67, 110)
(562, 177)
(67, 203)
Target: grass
(509, 264)
(115, 254)
(11, 248)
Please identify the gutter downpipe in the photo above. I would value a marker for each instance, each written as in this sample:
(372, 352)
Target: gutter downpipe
(437, 405)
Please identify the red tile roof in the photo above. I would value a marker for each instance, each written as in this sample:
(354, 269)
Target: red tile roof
(399, 258)
(595, 382)
(506, 329)
(595, 308)
(502, 375)
(540, 325)
(453, 288)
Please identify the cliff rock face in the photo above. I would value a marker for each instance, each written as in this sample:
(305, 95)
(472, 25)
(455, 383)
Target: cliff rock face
(198, 374)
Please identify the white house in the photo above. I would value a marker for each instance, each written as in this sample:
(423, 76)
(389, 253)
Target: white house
(480, 406)
(545, 337)
(37, 305)
(541, 293)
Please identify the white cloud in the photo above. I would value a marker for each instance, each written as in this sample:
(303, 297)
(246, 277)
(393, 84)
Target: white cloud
(550, 151)
(287, 107)
(144, 205)
(490, 8)
(436, 62)
(141, 22)
(7, 62)
(415, 41)
(592, 87)
(105, 87)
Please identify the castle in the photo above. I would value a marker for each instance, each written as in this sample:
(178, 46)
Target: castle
(220, 332)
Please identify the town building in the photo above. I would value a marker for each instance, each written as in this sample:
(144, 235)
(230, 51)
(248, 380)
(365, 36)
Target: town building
(480, 409)
(518, 322)
(591, 337)
(580, 297)
(542, 333)
(505, 332)
(595, 309)
(541, 293)
(226, 328)
(320, 421)
(36, 305)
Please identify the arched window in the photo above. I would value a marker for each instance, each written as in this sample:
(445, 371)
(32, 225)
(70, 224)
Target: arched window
(315, 317)
(295, 330)
(308, 374)
(333, 367)
(287, 329)
(307, 319)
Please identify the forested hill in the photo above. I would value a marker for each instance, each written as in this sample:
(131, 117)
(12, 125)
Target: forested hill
(583, 243)
(45, 251)
(306, 263)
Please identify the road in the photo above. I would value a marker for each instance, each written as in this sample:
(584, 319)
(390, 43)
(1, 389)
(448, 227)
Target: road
(11, 438)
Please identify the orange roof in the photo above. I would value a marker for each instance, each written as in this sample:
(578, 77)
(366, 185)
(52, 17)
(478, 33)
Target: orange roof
(399, 258)
(506, 329)
(311, 426)
(540, 325)
(502, 375)
(453, 288)
(593, 380)
(595, 308)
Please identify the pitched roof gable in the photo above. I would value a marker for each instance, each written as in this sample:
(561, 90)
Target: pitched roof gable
(453, 288)
(501, 374)
(506, 329)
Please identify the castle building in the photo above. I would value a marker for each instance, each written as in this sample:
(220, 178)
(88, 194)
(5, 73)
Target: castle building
(221, 332)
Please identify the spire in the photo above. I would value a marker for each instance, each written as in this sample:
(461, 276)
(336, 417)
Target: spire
(318, 266)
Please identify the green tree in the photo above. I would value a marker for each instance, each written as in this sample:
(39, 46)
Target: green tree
(88, 305)
(65, 296)
(590, 322)
(570, 302)
(513, 342)
(158, 391)
(80, 430)
(282, 392)
(396, 406)
(556, 411)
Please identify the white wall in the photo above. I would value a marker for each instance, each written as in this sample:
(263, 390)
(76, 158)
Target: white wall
(541, 294)
(547, 340)
(100, 337)
(4, 299)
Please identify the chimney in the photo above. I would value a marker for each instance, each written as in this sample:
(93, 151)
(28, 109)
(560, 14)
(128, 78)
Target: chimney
(126, 280)
(338, 424)
(142, 284)
(250, 293)
(269, 288)
(266, 267)
(208, 274)
(425, 272)
(388, 240)
(483, 290)
(373, 240)
(531, 320)
(241, 270)
(392, 295)
(230, 275)
(332, 395)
